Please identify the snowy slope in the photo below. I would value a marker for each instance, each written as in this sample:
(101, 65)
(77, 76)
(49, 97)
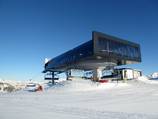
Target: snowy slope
(81, 99)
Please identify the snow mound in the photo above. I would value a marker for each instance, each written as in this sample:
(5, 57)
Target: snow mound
(86, 85)
(147, 80)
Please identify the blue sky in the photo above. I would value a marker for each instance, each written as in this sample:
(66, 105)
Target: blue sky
(31, 30)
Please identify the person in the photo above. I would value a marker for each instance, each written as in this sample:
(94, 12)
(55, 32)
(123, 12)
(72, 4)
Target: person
(39, 88)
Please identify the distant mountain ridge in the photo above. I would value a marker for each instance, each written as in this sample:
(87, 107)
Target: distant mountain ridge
(10, 86)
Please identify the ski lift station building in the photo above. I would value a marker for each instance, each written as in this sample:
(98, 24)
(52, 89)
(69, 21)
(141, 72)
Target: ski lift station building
(101, 52)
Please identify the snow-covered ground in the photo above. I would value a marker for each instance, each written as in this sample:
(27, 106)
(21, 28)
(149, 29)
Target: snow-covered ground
(82, 99)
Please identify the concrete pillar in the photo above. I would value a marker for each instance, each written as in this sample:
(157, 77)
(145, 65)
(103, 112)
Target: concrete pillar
(97, 74)
(68, 73)
(124, 76)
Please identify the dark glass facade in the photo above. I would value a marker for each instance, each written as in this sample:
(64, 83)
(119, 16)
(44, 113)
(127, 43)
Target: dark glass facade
(81, 52)
(118, 48)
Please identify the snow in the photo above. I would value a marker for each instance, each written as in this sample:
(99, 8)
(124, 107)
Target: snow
(154, 75)
(83, 99)
(145, 79)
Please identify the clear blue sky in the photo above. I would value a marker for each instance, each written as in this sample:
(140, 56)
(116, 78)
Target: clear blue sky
(31, 30)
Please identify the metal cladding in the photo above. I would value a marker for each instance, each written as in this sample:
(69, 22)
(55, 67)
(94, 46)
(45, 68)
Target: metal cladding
(102, 51)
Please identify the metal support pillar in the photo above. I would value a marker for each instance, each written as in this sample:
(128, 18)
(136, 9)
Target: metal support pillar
(52, 77)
